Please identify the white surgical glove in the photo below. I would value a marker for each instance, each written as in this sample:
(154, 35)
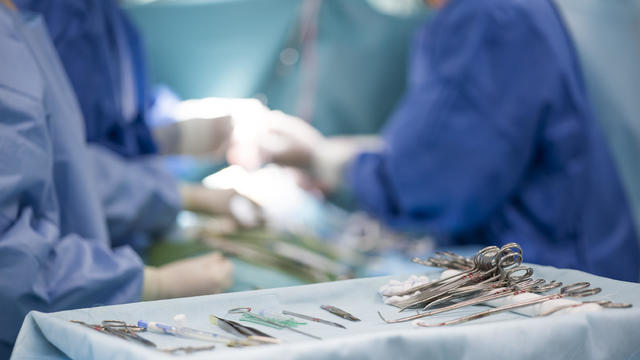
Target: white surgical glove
(221, 202)
(203, 275)
(290, 141)
(273, 136)
(204, 127)
(198, 136)
(331, 156)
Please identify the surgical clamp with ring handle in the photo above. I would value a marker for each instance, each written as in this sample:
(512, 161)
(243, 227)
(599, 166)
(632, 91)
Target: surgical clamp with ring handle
(120, 329)
(534, 286)
(491, 265)
(130, 332)
(579, 289)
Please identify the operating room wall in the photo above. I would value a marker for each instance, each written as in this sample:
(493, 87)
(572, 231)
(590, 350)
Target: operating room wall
(345, 75)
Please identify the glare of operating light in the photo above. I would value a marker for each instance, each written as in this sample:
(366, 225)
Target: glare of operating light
(227, 178)
(398, 7)
(274, 188)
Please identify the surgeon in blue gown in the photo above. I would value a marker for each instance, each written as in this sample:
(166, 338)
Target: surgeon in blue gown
(494, 141)
(55, 249)
(103, 57)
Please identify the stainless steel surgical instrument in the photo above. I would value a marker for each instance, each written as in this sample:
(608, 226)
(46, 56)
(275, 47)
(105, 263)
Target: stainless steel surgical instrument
(603, 303)
(534, 286)
(339, 312)
(311, 318)
(574, 290)
(492, 265)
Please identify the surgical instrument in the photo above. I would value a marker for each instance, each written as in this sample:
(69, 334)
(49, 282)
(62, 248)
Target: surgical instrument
(238, 329)
(485, 261)
(501, 264)
(509, 279)
(187, 332)
(311, 318)
(534, 286)
(446, 259)
(339, 312)
(120, 329)
(574, 290)
(187, 349)
(603, 303)
(247, 310)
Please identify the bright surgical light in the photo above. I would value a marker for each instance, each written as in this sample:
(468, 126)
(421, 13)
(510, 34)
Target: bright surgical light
(285, 205)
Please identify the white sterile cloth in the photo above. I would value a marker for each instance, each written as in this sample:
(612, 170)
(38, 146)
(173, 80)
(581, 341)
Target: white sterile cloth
(607, 334)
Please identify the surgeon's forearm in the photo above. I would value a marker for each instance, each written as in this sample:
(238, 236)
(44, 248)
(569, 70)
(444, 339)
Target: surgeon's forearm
(331, 157)
(202, 275)
(198, 198)
(196, 137)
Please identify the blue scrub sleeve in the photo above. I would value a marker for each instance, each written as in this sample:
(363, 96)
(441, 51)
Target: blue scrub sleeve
(138, 195)
(461, 138)
(94, 40)
(42, 267)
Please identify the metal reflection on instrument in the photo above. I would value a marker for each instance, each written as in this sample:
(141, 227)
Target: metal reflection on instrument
(315, 319)
(339, 312)
(580, 289)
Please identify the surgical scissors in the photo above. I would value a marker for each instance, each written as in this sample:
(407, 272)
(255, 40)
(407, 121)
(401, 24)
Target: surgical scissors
(446, 259)
(120, 329)
(482, 260)
(574, 290)
(486, 262)
(508, 278)
(535, 286)
(504, 262)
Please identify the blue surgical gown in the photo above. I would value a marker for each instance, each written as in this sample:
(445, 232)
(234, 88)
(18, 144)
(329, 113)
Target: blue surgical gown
(55, 251)
(103, 57)
(102, 54)
(495, 141)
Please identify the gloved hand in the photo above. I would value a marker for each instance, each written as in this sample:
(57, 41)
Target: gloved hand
(273, 137)
(204, 127)
(290, 141)
(198, 136)
(221, 202)
(203, 275)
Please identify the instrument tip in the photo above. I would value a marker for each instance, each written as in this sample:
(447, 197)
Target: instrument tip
(382, 317)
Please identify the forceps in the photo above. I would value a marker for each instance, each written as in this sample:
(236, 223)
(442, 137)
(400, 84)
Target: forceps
(312, 318)
(486, 261)
(120, 329)
(247, 310)
(508, 278)
(117, 327)
(501, 266)
(574, 290)
(488, 252)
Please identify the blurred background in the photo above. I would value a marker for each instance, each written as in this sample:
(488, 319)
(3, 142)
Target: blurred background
(340, 65)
